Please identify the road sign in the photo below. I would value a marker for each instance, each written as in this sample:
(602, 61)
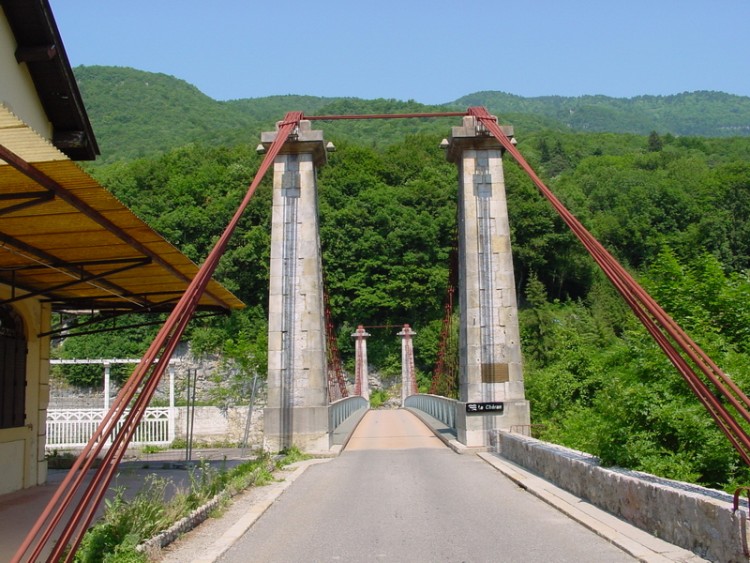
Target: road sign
(494, 407)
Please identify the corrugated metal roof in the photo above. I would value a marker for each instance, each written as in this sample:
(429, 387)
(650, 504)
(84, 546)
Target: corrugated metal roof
(64, 236)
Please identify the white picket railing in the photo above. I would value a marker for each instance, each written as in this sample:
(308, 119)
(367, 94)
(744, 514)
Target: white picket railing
(72, 428)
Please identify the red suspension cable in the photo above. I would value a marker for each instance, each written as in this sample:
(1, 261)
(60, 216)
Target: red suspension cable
(145, 377)
(665, 331)
(385, 116)
(148, 373)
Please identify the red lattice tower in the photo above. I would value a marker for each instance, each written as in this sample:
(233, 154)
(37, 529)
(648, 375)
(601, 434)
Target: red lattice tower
(445, 375)
(336, 382)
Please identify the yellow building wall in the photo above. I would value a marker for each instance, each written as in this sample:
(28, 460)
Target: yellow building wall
(22, 461)
(17, 90)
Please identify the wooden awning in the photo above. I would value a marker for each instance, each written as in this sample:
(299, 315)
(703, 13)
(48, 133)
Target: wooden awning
(67, 239)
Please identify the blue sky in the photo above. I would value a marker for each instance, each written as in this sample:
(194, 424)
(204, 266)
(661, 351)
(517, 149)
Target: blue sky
(430, 51)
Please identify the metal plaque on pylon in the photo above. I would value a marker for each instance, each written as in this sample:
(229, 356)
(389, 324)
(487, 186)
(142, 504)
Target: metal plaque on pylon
(495, 373)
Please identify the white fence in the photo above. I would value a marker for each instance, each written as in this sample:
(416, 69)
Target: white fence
(72, 428)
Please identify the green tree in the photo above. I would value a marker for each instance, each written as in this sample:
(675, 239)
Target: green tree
(655, 143)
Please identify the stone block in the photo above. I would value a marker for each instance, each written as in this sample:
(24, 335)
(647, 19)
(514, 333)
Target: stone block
(274, 361)
(501, 244)
(275, 339)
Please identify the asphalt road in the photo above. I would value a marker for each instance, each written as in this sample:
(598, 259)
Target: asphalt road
(397, 494)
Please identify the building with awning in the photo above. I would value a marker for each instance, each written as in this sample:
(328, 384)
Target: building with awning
(66, 243)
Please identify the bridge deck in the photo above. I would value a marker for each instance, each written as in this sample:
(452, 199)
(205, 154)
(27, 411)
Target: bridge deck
(392, 430)
(397, 494)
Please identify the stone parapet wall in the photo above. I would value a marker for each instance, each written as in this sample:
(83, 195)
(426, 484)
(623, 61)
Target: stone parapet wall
(683, 514)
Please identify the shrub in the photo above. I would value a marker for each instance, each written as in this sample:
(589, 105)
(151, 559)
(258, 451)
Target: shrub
(378, 397)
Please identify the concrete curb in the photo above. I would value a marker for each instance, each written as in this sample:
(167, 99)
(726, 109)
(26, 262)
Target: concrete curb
(633, 541)
(270, 494)
(154, 545)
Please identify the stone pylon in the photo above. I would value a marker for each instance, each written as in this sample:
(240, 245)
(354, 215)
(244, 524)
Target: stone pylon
(408, 373)
(361, 375)
(490, 375)
(297, 411)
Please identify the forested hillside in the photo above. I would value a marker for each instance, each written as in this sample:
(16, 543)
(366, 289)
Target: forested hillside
(137, 113)
(708, 114)
(674, 209)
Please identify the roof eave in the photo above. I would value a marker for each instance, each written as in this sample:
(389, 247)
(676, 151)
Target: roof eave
(40, 47)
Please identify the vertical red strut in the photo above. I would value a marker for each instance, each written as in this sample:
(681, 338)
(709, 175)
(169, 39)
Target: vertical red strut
(136, 393)
(675, 343)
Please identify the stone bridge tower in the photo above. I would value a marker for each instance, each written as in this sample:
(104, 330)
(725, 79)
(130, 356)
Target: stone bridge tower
(491, 380)
(297, 411)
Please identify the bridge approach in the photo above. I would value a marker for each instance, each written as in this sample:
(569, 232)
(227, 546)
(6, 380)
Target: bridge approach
(396, 493)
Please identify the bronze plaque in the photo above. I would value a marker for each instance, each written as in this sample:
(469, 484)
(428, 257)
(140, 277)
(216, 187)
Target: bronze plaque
(495, 373)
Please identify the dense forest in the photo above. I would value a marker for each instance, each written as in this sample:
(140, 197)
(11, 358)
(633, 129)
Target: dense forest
(674, 209)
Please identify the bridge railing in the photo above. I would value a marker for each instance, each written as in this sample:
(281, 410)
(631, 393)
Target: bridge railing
(343, 417)
(340, 410)
(440, 408)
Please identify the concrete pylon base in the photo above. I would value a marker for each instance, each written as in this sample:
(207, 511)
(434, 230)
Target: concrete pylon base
(473, 429)
(304, 427)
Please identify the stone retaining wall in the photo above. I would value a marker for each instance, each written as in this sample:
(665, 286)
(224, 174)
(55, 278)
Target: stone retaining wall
(213, 425)
(686, 515)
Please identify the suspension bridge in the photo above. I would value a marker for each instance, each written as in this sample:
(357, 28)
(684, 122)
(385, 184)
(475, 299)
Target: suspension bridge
(308, 402)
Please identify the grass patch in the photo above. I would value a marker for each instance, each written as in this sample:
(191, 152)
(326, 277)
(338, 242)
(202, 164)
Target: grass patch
(291, 455)
(127, 523)
(151, 449)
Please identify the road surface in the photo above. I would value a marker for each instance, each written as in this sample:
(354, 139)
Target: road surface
(397, 494)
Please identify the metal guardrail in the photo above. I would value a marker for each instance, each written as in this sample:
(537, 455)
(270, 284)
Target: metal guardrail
(72, 428)
(441, 408)
(342, 409)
